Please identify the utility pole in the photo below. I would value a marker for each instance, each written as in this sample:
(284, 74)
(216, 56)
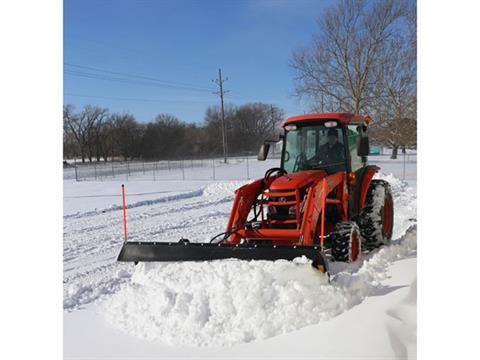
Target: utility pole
(221, 92)
(272, 114)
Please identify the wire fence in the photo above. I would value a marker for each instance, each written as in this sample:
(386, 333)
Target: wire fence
(236, 168)
(242, 167)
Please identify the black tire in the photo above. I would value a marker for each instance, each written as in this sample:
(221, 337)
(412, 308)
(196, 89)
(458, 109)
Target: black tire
(376, 217)
(346, 242)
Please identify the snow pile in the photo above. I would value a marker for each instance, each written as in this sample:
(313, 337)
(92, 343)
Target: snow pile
(404, 203)
(402, 329)
(225, 302)
(222, 189)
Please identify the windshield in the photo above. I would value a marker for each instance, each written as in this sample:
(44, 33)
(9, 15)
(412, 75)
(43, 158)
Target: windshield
(314, 147)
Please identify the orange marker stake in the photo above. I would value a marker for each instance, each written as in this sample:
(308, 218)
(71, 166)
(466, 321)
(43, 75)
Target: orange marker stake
(124, 214)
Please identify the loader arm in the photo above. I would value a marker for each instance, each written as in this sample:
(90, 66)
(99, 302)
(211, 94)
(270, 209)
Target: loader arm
(245, 198)
(313, 206)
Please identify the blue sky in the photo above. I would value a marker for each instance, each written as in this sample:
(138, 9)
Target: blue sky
(149, 57)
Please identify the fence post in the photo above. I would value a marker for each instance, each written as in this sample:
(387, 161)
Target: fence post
(75, 164)
(168, 165)
(113, 172)
(183, 169)
(143, 163)
(248, 170)
(404, 159)
(128, 170)
(213, 167)
(95, 169)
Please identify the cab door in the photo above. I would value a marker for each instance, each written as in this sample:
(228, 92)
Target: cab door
(357, 166)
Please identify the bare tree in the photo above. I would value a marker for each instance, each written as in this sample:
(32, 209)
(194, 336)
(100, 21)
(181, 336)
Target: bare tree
(97, 136)
(253, 123)
(81, 127)
(213, 129)
(70, 143)
(70, 146)
(164, 138)
(247, 126)
(125, 135)
(103, 138)
(337, 71)
(395, 100)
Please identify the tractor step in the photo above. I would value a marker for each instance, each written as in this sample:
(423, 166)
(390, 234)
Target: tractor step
(186, 251)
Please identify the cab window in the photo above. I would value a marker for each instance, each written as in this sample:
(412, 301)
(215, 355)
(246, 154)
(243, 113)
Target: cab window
(308, 148)
(353, 136)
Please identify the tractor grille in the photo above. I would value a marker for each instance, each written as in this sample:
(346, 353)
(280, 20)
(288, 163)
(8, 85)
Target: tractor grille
(282, 208)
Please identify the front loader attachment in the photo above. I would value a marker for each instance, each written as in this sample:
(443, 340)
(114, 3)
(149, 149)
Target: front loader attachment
(186, 251)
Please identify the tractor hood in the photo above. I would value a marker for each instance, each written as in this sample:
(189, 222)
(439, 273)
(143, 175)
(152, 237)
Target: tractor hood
(297, 180)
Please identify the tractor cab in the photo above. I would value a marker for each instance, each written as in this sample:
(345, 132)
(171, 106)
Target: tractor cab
(329, 142)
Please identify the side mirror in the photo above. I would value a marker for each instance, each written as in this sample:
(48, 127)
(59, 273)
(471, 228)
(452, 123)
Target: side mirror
(263, 152)
(363, 146)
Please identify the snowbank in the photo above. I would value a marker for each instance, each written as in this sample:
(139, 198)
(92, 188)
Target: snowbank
(404, 203)
(226, 302)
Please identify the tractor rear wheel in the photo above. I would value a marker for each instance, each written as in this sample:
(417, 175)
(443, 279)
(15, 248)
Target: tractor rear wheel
(346, 242)
(376, 217)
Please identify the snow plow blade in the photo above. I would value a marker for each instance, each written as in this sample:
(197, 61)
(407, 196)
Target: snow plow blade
(149, 251)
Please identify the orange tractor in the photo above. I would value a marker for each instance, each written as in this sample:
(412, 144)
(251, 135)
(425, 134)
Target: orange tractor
(321, 202)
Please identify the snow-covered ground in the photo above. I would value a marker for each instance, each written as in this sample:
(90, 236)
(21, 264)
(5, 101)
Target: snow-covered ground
(227, 308)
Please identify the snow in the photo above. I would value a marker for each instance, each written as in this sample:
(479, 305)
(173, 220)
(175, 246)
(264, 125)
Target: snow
(358, 333)
(223, 303)
(225, 307)
(82, 198)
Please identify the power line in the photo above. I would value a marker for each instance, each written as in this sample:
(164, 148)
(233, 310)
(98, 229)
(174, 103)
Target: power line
(128, 78)
(136, 99)
(221, 92)
(129, 81)
(137, 76)
(248, 98)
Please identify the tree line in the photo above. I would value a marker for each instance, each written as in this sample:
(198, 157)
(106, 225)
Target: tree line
(363, 60)
(93, 133)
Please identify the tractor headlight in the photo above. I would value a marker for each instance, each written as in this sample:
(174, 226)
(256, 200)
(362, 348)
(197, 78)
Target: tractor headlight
(330, 124)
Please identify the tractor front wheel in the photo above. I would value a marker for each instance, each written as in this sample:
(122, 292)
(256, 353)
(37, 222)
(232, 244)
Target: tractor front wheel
(346, 242)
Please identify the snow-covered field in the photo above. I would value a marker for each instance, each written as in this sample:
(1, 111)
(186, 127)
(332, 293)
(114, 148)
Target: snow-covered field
(227, 308)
